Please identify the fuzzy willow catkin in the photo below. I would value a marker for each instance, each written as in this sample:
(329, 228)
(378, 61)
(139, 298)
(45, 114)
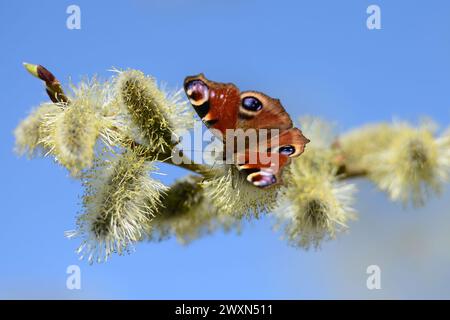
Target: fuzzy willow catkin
(231, 192)
(314, 206)
(120, 202)
(71, 136)
(29, 133)
(187, 213)
(414, 165)
(155, 116)
(408, 163)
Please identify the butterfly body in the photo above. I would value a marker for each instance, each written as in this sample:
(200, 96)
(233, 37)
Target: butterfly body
(256, 130)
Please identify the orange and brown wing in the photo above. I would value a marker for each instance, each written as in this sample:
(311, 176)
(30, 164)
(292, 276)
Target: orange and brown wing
(259, 111)
(221, 106)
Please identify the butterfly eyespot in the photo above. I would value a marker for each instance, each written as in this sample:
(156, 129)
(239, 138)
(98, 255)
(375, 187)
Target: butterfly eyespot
(197, 92)
(286, 150)
(251, 104)
(262, 179)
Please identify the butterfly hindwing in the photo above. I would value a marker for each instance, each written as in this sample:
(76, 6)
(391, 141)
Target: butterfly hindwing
(265, 165)
(290, 142)
(261, 172)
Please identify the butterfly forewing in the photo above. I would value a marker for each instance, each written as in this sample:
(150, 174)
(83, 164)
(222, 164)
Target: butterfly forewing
(215, 103)
(269, 115)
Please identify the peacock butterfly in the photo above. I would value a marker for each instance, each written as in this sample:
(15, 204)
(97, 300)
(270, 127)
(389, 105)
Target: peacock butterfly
(224, 109)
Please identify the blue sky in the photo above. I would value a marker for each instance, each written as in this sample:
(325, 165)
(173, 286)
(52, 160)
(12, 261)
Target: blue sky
(318, 57)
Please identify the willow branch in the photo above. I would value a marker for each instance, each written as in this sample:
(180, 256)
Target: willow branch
(345, 173)
(57, 95)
